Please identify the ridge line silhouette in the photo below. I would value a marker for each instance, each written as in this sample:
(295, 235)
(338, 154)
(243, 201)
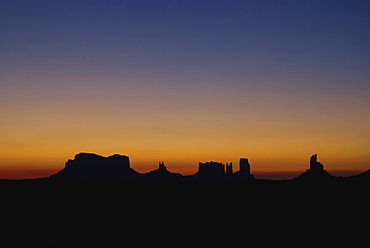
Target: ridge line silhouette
(90, 166)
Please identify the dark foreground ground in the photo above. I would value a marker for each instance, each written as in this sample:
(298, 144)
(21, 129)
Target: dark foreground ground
(184, 214)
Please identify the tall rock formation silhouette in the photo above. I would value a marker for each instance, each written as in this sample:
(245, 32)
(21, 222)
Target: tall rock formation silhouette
(229, 169)
(316, 171)
(314, 165)
(244, 170)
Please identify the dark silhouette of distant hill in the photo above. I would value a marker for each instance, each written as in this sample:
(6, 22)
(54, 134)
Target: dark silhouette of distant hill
(361, 178)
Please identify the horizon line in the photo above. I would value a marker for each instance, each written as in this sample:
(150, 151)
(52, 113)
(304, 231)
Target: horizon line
(268, 175)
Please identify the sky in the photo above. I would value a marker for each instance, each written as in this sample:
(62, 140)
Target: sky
(185, 82)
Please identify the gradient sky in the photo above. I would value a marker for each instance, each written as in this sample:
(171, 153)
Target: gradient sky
(185, 82)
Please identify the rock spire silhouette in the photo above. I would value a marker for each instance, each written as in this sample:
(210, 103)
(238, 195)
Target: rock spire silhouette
(316, 171)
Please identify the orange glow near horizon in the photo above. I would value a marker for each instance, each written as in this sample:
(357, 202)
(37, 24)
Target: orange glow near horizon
(215, 81)
(277, 129)
(262, 166)
(182, 130)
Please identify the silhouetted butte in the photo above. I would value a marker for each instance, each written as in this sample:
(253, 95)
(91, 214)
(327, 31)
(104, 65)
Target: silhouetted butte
(89, 166)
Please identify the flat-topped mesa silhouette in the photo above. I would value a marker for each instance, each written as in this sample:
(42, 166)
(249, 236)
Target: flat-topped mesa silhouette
(214, 170)
(90, 166)
(210, 170)
(315, 172)
(244, 170)
(162, 174)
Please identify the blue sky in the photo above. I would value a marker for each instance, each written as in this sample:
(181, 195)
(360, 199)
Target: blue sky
(280, 74)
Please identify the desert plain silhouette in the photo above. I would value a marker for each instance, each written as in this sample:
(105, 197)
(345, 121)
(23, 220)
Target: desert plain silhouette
(100, 201)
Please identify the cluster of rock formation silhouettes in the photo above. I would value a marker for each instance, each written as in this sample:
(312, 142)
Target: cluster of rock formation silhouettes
(89, 166)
